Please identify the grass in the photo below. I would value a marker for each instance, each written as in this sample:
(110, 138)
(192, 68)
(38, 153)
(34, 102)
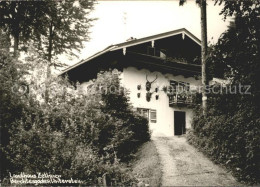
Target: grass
(146, 166)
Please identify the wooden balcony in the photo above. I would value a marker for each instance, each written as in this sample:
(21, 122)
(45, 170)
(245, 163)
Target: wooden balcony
(180, 100)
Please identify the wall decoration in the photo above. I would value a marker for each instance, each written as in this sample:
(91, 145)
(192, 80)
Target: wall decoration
(148, 96)
(164, 89)
(148, 84)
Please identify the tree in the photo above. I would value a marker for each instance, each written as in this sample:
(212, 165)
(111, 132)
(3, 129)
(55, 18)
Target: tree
(204, 74)
(19, 19)
(12, 102)
(78, 134)
(237, 51)
(64, 28)
(230, 132)
(55, 27)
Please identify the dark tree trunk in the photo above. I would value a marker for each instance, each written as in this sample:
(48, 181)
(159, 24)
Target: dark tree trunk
(49, 58)
(16, 44)
(16, 34)
(50, 43)
(15, 31)
(204, 80)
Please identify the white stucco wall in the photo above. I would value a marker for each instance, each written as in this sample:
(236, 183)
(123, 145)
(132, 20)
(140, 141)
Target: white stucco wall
(131, 77)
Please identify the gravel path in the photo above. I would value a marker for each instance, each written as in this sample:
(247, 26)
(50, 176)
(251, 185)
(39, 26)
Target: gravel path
(183, 165)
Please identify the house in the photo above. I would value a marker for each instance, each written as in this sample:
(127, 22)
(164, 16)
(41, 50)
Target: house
(154, 69)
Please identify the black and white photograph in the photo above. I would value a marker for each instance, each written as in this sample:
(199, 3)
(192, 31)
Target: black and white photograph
(129, 93)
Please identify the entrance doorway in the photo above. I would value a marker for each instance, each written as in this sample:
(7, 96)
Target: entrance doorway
(179, 123)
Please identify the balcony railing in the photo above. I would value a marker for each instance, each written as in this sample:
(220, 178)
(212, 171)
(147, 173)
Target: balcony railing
(180, 99)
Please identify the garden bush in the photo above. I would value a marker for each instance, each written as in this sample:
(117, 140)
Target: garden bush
(230, 132)
(76, 134)
(230, 138)
(12, 105)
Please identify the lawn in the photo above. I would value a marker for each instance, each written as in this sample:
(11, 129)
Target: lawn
(146, 166)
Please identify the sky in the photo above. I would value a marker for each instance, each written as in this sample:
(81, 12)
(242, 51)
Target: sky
(119, 20)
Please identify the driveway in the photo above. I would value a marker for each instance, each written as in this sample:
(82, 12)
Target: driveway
(183, 165)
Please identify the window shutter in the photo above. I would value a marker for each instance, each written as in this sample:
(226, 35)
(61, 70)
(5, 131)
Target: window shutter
(146, 113)
(153, 116)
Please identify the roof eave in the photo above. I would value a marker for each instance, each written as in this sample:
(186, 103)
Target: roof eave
(133, 43)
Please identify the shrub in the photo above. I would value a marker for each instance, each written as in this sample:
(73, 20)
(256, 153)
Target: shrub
(125, 130)
(75, 134)
(230, 137)
(12, 104)
(230, 132)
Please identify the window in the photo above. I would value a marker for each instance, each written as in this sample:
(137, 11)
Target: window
(156, 52)
(150, 50)
(149, 114)
(144, 112)
(162, 55)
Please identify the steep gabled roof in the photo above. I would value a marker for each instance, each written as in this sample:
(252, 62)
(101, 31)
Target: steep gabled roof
(136, 42)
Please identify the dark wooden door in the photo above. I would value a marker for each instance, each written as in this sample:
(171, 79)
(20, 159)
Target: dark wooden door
(179, 123)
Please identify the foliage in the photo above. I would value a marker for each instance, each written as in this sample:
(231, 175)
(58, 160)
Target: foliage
(231, 140)
(182, 2)
(19, 19)
(12, 105)
(237, 52)
(4, 41)
(55, 27)
(127, 129)
(64, 27)
(229, 133)
(76, 134)
(239, 8)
